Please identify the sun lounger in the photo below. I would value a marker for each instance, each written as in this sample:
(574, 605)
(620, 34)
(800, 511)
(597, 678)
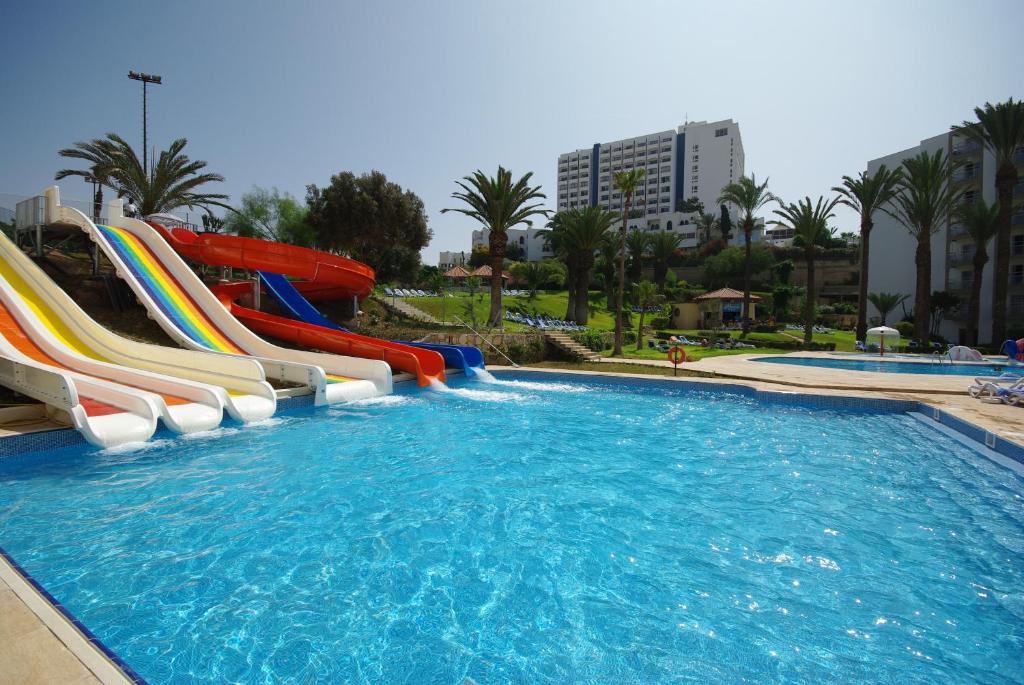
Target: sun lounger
(989, 386)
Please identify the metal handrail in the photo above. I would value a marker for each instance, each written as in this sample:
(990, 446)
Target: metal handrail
(475, 332)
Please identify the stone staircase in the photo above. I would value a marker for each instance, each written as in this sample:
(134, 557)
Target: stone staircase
(565, 343)
(402, 307)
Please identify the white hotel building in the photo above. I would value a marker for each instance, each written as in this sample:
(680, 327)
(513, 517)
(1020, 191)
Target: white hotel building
(693, 161)
(892, 246)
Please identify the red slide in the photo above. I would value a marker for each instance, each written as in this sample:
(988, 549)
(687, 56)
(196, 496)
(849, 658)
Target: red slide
(325, 277)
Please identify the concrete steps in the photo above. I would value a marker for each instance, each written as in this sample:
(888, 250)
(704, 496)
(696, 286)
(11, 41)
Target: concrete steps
(402, 307)
(565, 343)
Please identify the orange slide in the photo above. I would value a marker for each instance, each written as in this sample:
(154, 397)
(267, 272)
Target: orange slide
(324, 277)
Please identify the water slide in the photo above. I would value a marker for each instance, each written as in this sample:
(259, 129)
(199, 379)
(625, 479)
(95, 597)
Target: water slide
(186, 309)
(287, 295)
(187, 391)
(326, 276)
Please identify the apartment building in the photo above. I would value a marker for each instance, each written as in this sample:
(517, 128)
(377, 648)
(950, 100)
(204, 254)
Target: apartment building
(893, 247)
(447, 260)
(694, 160)
(530, 239)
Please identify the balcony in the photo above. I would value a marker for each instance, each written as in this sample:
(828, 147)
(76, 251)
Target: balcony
(1017, 219)
(960, 258)
(966, 174)
(958, 232)
(966, 147)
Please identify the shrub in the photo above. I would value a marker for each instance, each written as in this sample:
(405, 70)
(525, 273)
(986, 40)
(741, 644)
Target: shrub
(906, 329)
(593, 340)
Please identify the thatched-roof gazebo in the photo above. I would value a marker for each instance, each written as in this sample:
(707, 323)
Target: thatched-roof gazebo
(456, 272)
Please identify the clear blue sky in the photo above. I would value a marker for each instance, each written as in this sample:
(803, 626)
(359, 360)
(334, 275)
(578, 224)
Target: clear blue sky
(286, 94)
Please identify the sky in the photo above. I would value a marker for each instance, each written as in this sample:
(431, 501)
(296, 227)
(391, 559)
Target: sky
(283, 95)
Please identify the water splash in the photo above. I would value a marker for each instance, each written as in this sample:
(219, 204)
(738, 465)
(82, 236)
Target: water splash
(212, 433)
(490, 379)
(382, 401)
(478, 395)
(139, 446)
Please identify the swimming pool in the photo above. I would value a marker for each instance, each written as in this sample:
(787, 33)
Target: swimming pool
(571, 531)
(881, 366)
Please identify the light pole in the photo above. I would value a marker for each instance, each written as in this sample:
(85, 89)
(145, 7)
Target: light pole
(146, 80)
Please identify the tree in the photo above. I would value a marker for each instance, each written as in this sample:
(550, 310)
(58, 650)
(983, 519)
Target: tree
(725, 223)
(498, 204)
(867, 195)
(1000, 129)
(663, 246)
(942, 301)
(706, 225)
(370, 219)
(625, 182)
(608, 256)
(515, 252)
(98, 154)
(637, 245)
(690, 205)
(556, 238)
(729, 265)
(270, 215)
(479, 256)
(645, 295)
(212, 223)
(172, 182)
(981, 220)
(577, 235)
(806, 220)
(924, 200)
(885, 303)
(748, 197)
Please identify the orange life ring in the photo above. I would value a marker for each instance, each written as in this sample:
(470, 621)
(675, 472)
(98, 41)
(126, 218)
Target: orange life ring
(677, 355)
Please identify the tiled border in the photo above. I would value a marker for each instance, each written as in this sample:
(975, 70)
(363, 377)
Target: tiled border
(127, 671)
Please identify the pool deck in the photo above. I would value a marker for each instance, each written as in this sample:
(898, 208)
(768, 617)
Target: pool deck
(39, 645)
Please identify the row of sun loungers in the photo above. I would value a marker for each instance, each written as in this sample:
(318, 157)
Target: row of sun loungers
(405, 292)
(544, 323)
(816, 329)
(1007, 388)
(515, 293)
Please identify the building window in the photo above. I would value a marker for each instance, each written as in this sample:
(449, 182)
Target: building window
(668, 225)
(1017, 274)
(1018, 244)
(1016, 305)
(721, 132)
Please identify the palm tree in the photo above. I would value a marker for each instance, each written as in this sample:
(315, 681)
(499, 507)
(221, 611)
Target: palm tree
(625, 182)
(706, 225)
(171, 183)
(663, 247)
(646, 295)
(98, 154)
(925, 199)
(637, 245)
(608, 255)
(885, 303)
(575, 236)
(1000, 129)
(556, 239)
(866, 195)
(807, 221)
(498, 204)
(748, 198)
(981, 220)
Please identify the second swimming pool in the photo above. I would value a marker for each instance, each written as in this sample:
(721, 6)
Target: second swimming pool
(879, 365)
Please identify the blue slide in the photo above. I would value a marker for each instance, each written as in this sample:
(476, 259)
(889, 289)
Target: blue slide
(291, 300)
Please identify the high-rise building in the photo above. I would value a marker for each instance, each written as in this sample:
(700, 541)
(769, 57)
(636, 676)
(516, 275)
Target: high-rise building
(693, 161)
(893, 247)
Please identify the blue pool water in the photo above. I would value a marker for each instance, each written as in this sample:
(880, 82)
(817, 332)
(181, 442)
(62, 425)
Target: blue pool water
(880, 366)
(538, 532)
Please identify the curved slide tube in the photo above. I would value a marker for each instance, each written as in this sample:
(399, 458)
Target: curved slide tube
(186, 309)
(238, 386)
(287, 295)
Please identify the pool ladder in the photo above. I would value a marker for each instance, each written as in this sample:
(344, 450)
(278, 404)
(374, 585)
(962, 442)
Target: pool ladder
(939, 357)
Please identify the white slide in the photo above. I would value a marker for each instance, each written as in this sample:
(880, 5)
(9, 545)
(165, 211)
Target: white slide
(237, 385)
(106, 414)
(192, 315)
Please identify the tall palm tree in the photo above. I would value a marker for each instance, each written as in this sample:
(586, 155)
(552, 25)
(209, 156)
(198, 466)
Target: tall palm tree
(576, 236)
(885, 303)
(638, 244)
(981, 220)
(925, 200)
(171, 183)
(807, 221)
(748, 197)
(1000, 129)
(663, 247)
(98, 154)
(646, 295)
(706, 226)
(498, 204)
(608, 255)
(625, 182)
(866, 195)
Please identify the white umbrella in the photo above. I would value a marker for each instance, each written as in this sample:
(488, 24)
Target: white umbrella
(884, 332)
